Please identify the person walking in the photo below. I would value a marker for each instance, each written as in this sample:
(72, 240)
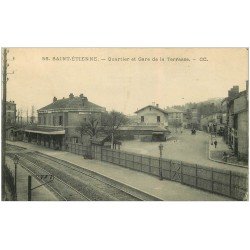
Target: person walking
(215, 143)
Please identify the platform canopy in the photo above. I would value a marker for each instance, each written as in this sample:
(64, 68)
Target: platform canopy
(45, 131)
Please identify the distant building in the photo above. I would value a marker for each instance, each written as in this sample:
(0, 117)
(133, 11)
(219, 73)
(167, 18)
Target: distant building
(175, 117)
(10, 113)
(143, 132)
(58, 121)
(191, 118)
(152, 115)
(237, 121)
(213, 122)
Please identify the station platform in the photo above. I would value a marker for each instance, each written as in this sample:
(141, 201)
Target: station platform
(164, 190)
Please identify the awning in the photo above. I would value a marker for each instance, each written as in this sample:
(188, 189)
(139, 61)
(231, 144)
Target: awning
(45, 132)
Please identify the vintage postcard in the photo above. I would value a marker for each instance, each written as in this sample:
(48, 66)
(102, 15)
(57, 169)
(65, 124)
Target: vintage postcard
(125, 124)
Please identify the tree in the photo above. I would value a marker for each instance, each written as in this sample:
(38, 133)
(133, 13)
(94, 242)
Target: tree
(91, 127)
(111, 122)
(177, 124)
(106, 123)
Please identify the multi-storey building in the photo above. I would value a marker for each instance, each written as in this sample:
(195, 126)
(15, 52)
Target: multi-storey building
(175, 117)
(191, 118)
(237, 121)
(152, 115)
(58, 121)
(10, 113)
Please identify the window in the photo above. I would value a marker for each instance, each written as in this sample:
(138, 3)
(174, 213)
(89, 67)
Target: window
(60, 120)
(54, 120)
(74, 139)
(158, 119)
(44, 120)
(39, 119)
(142, 118)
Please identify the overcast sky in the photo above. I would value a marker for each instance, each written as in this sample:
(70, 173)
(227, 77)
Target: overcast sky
(125, 85)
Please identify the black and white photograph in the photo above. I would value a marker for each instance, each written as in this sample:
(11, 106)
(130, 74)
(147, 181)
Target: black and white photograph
(125, 124)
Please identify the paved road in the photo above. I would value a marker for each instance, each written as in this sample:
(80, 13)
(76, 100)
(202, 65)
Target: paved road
(186, 147)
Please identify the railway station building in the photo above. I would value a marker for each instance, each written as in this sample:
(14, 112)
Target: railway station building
(58, 122)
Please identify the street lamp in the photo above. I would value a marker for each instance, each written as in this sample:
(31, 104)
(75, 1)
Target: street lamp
(15, 160)
(160, 161)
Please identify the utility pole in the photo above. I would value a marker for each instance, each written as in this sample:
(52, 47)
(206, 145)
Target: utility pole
(160, 162)
(21, 114)
(112, 140)
(29, 188)
(4, 86)
(4, 83)
(32, 118)
(27, 113)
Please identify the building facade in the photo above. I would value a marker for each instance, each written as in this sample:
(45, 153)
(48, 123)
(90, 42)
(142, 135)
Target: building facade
(236, 134)
(10, 113)
(191, 118)
(213, 122)
(59, 121)
(152, 115)
(175, 117)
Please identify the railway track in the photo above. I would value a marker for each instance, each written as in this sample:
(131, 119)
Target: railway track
(60, 188)
(90, 185)
(137, 194)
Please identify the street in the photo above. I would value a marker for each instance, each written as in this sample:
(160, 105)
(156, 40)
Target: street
(182, 147)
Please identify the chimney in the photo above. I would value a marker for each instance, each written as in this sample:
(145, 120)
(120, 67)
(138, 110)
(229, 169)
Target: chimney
(54, 99)
(71, 96)
(157, 105)
(81, 95)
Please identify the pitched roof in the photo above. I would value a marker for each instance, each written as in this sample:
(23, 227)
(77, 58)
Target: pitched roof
(151, 106)
(165, 111)
(81, 103)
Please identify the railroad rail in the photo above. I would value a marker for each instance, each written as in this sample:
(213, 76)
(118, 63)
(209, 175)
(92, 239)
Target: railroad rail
(105, 180)
(89, 184)
(60, 188)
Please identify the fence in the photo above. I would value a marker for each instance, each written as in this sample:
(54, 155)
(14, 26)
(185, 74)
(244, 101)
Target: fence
(79, 149)
(223, 182)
